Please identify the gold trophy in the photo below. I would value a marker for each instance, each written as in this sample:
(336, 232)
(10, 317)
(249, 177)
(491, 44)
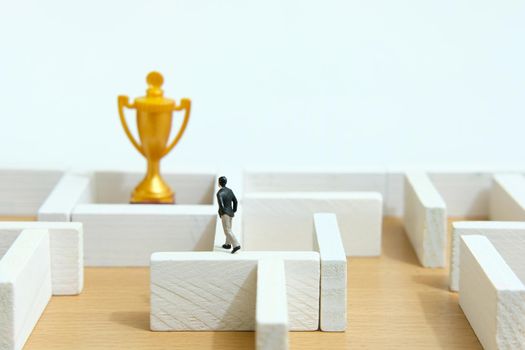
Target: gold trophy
(154, 115)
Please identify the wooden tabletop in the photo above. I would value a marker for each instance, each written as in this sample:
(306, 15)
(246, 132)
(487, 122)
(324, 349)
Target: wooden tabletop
(393, 303)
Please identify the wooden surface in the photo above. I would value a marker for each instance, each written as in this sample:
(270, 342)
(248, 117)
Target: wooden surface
(393, 303)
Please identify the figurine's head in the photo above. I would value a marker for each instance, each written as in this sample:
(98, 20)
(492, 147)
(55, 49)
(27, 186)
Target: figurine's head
(222, 181)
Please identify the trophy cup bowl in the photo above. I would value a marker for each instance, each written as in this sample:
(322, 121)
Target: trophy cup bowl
(154, 120)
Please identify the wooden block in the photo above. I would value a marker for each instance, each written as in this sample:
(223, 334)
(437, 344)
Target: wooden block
(320, 180)
(70, 190)
(302, 270)
(465, 193)
(211, 291)
(507, 198)
(7, 238)
(504, 235)
(425, 220)
(66, 249)
(283, 220)
(333, 272)
(203, 291)
(491, 295)
(25, 287)
(395, 194)
(22, 191)
(271, 316)
(127, 235)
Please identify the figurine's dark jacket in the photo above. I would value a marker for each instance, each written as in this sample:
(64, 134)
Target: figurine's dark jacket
(225, 198)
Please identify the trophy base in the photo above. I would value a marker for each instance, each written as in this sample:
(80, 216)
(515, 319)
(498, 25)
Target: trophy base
(164, 200)
(152, 190)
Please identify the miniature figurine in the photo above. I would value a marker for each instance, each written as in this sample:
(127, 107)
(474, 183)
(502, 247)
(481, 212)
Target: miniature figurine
(225, 198)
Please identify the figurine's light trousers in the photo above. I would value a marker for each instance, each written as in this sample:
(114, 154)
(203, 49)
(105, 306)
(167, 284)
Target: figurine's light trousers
(227, 227)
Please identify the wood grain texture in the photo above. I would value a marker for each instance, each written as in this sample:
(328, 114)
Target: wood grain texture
(491, 295)
(17, 218)
(302, 289)
(502, 234)
(25, 287)
(66, 248)
(393, 303)
(213, 291)
(194, 293)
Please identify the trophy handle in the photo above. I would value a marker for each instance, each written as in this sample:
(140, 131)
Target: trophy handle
(123, 101)
(185, 104)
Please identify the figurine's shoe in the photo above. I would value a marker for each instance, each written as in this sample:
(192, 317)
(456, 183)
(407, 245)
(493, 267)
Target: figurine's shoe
(236, 249)
(227, 246)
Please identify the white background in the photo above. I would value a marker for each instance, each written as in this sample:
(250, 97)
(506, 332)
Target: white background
(280, 82)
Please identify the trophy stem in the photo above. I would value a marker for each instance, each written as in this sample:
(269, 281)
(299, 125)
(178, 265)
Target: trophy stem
(153, 169)
(153, 189)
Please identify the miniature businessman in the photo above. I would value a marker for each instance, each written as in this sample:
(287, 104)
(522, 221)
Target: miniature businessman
(226, 198)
